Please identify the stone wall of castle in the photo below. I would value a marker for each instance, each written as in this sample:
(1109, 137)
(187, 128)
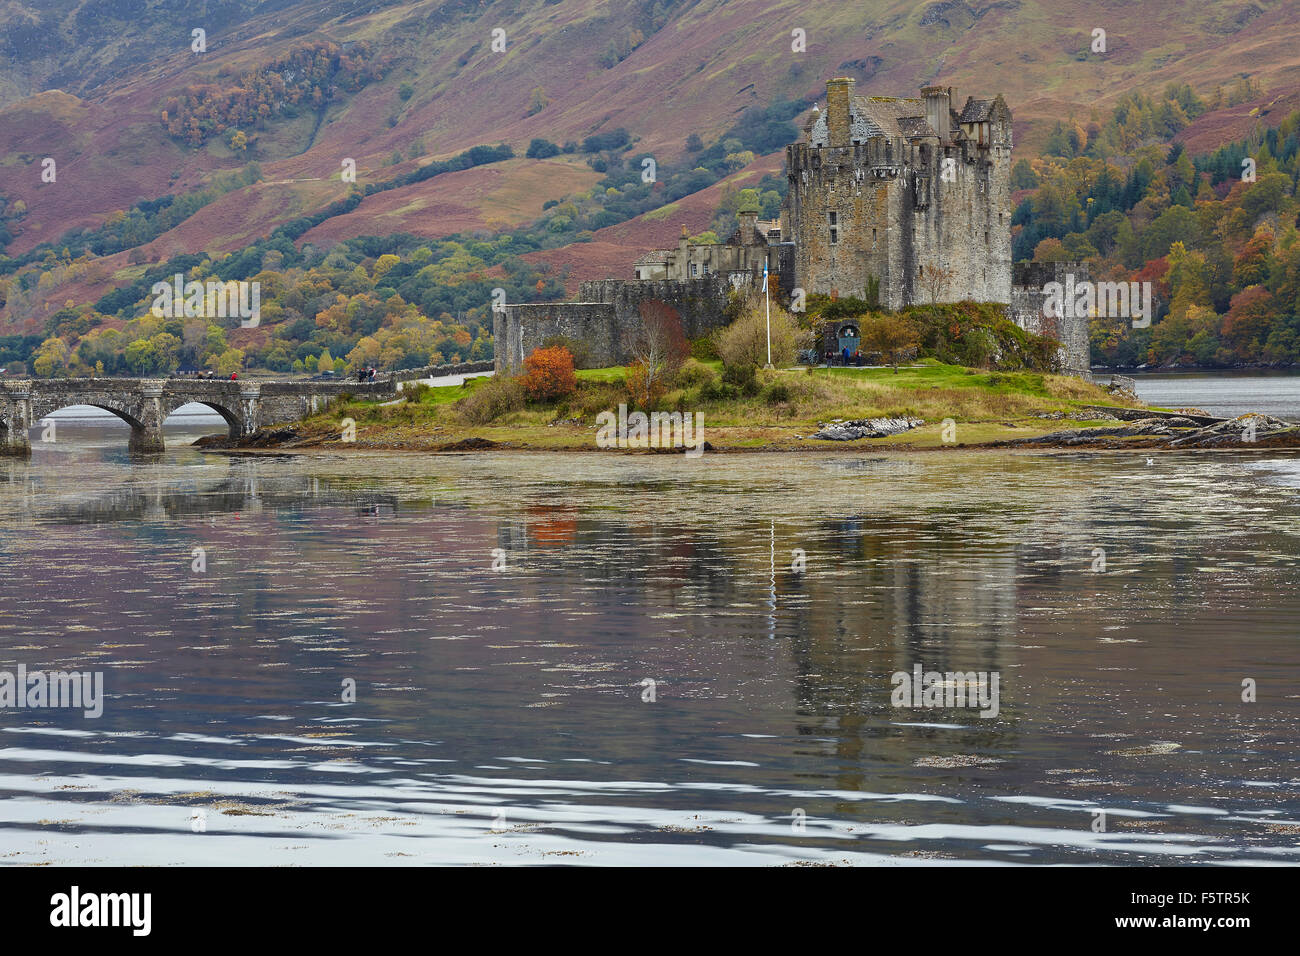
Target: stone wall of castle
(700, 302)
(1028, 297)
(606, 318)
(889, 210)
(519, 328)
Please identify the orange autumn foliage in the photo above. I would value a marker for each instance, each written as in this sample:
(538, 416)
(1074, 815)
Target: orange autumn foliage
(548, 374)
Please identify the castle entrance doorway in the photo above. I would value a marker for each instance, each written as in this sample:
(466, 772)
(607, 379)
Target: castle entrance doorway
(849, 339)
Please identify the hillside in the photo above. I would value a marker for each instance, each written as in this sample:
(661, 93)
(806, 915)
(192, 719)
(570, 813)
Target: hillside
(685, 67)
(209, 153)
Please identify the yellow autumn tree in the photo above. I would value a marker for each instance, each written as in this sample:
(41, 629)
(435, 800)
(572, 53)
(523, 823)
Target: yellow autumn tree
(51, 357)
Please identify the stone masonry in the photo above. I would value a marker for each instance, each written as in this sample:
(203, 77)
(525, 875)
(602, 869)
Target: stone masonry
(885, 187)
(1027, 310)
(606, 318)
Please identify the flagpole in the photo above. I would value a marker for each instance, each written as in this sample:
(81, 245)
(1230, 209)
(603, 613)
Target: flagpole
(767, 302)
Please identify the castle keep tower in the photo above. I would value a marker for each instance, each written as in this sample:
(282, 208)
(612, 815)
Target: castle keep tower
(907, 193)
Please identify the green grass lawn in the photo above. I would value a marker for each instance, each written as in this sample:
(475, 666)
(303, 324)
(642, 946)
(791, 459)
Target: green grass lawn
(615, 375)
(938, 375)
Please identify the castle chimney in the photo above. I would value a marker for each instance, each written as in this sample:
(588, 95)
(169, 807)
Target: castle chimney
(839, 103)
(748, 219)
(937, 107)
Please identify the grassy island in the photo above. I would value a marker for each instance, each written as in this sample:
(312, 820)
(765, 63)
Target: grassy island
(778, 410)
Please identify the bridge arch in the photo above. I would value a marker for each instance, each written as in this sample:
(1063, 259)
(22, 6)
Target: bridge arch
(43, 410)
(145, 437)
(232, 417)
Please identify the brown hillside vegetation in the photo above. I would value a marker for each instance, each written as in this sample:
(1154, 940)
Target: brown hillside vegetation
(502, 195)
(662, 70)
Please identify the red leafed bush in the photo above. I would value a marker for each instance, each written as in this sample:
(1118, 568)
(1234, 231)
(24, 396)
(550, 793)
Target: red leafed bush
(548, 374)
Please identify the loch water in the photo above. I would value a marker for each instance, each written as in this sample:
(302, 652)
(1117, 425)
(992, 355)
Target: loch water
(620, 659)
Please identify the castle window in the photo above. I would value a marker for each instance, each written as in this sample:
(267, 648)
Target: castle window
(835, 235)
(873, 238)
(834, 218)
(986, 237)
(695, 268)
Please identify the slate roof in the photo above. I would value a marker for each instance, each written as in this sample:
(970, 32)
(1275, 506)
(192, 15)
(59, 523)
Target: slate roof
(976, 111)
(897, 116)
(884, 112)
(915, 126)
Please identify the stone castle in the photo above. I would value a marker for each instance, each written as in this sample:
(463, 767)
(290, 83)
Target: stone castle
(901, 201)
(906, 192)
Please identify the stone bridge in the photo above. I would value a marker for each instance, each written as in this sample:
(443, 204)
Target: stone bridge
(144, 404)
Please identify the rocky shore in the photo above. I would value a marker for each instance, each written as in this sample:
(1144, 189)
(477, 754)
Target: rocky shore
(1173, 432)
(865, 428)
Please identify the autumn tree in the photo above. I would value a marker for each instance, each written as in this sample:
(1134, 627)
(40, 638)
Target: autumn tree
(744, 343)
(935, 279)
(1051, 250)
(888, 334)
(51, 358)
(1249, 321)
(1251, 265)
(227, 363)
(548, 374)
(537, 101)
(658, 350)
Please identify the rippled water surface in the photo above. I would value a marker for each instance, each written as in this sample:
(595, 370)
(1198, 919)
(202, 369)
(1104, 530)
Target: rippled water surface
(500, 715)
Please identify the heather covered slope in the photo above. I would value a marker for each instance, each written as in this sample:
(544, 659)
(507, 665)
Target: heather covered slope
(231, 160)
(659, 68)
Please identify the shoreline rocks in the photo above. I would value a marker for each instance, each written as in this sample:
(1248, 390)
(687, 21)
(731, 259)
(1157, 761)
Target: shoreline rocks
(1174, 431)
(865, 428)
